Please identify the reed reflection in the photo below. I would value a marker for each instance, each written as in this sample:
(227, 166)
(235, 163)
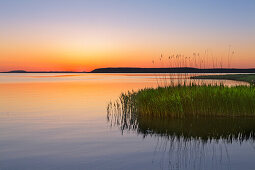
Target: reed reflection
(190, 143)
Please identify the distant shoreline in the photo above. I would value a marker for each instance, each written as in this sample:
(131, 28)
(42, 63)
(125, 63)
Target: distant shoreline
(249, 78)
(148, 70)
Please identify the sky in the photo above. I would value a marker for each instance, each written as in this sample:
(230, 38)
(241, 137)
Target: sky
(81, 35)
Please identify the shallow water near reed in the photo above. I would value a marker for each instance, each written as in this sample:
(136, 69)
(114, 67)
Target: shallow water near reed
(59, 121)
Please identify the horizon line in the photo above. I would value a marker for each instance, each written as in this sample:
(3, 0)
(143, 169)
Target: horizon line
(121, 68)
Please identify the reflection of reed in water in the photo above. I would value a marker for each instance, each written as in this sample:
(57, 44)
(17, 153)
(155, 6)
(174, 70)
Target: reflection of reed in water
(194, 154)
(191, 143)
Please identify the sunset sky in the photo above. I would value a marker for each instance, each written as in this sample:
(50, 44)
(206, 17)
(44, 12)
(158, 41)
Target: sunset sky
(78, 35)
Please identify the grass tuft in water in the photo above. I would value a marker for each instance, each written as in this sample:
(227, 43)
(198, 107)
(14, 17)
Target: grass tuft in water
(188, 101)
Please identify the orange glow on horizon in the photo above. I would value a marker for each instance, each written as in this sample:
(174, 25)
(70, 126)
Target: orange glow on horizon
(72, 61)
(88, 53)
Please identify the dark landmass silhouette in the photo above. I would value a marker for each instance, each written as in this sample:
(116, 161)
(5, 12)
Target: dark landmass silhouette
(17, 71)
(171, 70)
(149, 70)
(23, 71)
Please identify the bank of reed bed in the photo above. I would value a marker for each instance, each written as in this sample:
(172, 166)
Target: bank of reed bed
(183, 101)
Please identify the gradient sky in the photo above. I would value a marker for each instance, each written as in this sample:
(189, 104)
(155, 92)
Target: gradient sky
(77, 35)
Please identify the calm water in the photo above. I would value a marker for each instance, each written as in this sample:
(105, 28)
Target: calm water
(58, 121)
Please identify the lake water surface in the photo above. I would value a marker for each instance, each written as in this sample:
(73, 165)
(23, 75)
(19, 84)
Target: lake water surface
(59, 121)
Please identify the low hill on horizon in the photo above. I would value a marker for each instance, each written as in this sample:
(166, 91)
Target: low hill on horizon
(18, 71)
(170, 70)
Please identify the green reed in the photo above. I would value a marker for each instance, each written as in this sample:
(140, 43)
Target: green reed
(183, 101)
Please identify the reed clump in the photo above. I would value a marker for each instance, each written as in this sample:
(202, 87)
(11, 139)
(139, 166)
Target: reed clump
(184, 101)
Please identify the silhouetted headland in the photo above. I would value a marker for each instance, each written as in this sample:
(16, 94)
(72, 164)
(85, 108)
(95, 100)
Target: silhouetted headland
(17, 71)
(170, 70)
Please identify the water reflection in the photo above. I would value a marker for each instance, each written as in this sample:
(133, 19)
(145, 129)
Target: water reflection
(57, 121)
(195, 143)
